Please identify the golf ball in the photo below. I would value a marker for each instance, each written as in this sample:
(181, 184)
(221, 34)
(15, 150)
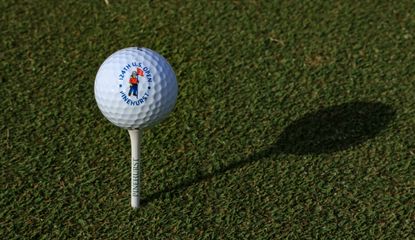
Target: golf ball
(135, 88)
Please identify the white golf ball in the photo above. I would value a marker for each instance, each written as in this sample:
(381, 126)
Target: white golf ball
(135, 88)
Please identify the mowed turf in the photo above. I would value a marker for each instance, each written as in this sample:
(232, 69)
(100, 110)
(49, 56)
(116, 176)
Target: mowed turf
(295, 119)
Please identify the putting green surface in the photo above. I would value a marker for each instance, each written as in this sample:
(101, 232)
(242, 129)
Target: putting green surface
(295, 119)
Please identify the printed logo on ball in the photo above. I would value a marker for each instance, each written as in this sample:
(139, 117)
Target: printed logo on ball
(135, 82)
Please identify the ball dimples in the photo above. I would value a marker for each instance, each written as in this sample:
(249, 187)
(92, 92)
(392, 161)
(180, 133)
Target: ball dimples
(135, 88)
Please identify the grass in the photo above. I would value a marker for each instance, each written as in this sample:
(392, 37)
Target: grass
(295, 119)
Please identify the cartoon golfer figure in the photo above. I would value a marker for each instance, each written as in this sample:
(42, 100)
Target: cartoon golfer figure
(134, 82)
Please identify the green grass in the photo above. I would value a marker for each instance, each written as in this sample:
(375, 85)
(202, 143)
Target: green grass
(295, 119)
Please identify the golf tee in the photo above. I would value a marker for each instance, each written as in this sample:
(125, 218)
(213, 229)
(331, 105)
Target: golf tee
(135, 136)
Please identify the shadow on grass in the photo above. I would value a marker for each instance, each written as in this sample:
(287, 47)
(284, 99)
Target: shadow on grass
(327, 130)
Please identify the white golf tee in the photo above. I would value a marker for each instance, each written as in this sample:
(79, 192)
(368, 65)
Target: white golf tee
(135, 136)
